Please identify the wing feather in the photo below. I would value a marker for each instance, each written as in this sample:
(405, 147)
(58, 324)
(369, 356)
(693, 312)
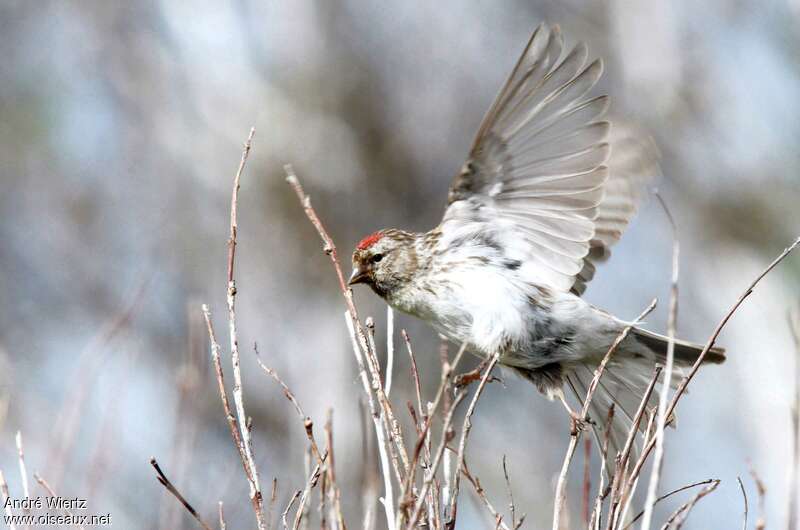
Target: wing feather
(547, 176)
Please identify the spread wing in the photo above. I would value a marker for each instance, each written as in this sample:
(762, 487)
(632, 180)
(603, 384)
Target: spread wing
(540, 179)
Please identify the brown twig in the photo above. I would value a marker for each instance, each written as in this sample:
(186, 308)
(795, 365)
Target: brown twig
(272, 498)
(462, 445)
(43, 483)
(162, 478)
(238, 397)
(383, 443)
(679, 516)
(560, 497)
(232, 422)
(285, 513)
(676, 491)
(328, 247)
(414, 371)
(310, 484)
(602, 492)
(619, 486)
(648, 447)
(761, 490)
(392, 426)
(432, 469)
(423, 440)
(337, 516)
(222, 525)
(6, 504)
(587, 480)
(476, 484)
(511, 505)
(308, 425)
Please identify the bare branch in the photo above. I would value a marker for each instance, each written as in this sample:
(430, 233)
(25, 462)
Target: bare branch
(238, 396)
(648, 447)
(746, 508)
(308, 425)
(162, 478)
(672, 320)
(561, 485)
(462, 445)
(383, 444)
(675, 491)
(679, 516)
(794, 479)
(43, 483)
(476, 483)
(23, 472)
(285, 513)
(6, 504)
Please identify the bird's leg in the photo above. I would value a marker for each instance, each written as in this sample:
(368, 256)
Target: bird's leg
(577, 421)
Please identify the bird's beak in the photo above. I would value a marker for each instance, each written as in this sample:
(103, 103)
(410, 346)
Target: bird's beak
(359, 275)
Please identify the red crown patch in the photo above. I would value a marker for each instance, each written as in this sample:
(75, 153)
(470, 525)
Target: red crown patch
(368, 241)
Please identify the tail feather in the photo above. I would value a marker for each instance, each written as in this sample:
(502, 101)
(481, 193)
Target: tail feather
(624, 383)
(686, 353)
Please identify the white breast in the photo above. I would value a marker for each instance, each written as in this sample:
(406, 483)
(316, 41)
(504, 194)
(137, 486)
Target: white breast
(483, 304)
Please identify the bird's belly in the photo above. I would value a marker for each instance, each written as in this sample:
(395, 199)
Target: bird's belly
(488, 311)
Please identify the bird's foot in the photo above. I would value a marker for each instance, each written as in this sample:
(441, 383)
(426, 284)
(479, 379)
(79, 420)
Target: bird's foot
(467, 378)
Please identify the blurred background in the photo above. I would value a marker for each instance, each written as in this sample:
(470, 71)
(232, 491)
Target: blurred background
(121, 126)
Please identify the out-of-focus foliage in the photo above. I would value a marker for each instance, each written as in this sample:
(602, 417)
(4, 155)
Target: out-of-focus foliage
(120, 130)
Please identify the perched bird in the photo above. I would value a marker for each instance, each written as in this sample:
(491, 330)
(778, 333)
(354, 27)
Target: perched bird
(548, 187)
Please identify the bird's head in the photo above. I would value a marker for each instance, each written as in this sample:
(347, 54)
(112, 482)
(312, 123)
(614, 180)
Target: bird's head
(384, 260)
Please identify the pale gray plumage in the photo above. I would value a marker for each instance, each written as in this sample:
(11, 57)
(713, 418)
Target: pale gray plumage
(548, 187)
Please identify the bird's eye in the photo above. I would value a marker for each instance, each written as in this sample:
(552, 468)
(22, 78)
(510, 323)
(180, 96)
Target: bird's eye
(376, 258)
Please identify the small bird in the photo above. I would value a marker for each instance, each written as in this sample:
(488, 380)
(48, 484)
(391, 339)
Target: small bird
(548, 187)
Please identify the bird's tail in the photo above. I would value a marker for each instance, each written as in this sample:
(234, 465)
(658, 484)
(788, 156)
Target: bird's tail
(624, 383)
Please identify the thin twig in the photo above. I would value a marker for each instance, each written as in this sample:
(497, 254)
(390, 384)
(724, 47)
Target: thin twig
(397, 451)
(597, 510)
(680, 515)
(675, 491)
(511, 505)
(672, 320)
(308, 425)
(761, 490)
(232, 422)
(383, 444)
(238, 397)
(746, 508)
(619, 485)
(561, 485)
(222, 525)
(285, 513)
(794, 479)
(162, 478)
(389, 349)
(310, 484)
(23, 472)
(272, 498)
(414, 371)
(462, 445)
(648, 447)
(6, 504)
(336, 506)
(43, 483)
(476, 483)
(437, 457)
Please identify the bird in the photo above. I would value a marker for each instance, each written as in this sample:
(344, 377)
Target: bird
(548, 187)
